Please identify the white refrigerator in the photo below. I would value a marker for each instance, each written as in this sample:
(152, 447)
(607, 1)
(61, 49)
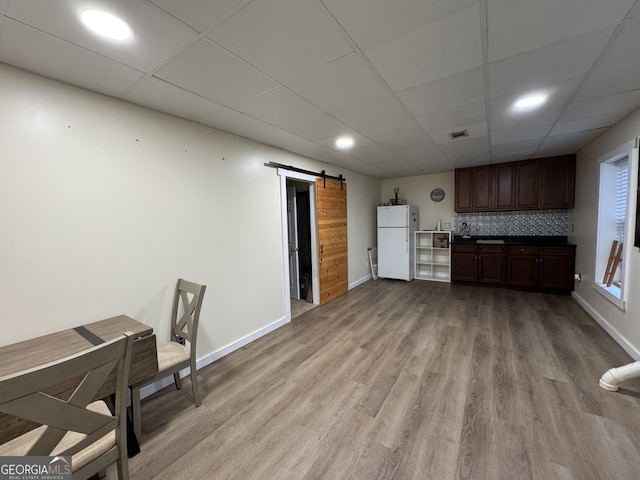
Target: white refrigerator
(396, 224)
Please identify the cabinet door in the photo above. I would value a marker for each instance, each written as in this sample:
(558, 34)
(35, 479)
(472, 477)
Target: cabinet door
(464, 189)
(483, 188)
(491, 264)
(522, 266)
(556, 267)
(526, 185)
(557, 176)
(491, 269)
(504, 181)
(464, 264)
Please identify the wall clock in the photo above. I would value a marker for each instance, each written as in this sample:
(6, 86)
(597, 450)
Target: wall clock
(437, 194)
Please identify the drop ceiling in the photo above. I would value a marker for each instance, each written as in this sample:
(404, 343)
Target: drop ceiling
(399, 76)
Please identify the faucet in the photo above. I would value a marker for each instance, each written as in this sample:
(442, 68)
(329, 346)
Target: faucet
(465, 230)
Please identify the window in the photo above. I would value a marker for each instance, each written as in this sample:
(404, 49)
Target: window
(615, 198)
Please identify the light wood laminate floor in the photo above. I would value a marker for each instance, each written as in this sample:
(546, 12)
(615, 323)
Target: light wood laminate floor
(398, 380)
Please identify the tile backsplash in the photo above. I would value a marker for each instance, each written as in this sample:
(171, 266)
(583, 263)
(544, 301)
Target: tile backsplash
(521, 223)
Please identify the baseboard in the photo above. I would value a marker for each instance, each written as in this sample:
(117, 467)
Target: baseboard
(359, 282)
(212, 357)
(613, 333)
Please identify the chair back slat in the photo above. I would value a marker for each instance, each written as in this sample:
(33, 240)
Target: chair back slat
(185, 314)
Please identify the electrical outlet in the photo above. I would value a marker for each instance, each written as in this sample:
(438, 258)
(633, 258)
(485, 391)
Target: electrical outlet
(447, 226)
(577, 277)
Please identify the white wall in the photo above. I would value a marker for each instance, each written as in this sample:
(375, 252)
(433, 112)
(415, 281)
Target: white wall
(105, 204)
(417, 190)
(624, 326)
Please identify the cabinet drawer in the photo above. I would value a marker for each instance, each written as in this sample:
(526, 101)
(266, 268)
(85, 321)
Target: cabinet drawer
(523, 250)
(568, 251)
(464, 249)
(497, 249)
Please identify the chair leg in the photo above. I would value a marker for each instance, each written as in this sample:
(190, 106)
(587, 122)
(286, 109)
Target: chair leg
(194, 383)
(135, 411)
(177, 380)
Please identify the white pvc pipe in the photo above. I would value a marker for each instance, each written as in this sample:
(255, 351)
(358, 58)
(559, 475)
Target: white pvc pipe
(614, 376)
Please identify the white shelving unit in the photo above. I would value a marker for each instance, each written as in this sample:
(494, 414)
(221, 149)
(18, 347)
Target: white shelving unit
(433, 255)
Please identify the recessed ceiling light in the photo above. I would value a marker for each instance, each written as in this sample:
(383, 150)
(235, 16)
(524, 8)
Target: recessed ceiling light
(107, 25)
(344, 142)
(529, 102)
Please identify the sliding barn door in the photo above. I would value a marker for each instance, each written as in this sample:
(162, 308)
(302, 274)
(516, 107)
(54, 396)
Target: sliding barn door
(332, 238)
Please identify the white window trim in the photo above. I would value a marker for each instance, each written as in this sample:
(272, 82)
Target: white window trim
(618, 296)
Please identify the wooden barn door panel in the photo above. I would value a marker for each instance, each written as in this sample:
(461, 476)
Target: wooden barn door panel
(332, 238)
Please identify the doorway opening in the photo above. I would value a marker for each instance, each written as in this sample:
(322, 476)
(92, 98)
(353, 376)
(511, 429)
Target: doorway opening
(298, 193)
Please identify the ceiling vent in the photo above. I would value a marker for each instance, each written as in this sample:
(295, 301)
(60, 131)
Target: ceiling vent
(458, 134)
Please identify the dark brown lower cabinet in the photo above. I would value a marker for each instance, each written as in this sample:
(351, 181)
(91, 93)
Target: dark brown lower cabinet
(465, 264)
(556, 267)
(481, 264)
(522, 266)
(491, 260)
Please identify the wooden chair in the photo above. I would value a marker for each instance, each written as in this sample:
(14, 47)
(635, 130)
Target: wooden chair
(175, 355)
(76, 426)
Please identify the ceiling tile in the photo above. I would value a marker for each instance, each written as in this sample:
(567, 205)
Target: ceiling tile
(537, 134)
(277, 107)
(466, 158)
(61, 60)
(277, 137)
(380, 119)
(510, 122)
(448, 92)
(158, 35)
(319, 127)
(162, 96)
(288, 37)
(587, 123)
(370, 22)
(308, 149)
(371, 153)
(521, 150)
(440, 49)
(342, 83)
(201, 15)
(210, 71)
(517, 26)
(619, 69)
(566, 144)
(554, 63)
(611, 82)
(622, 103)
(370, 170)
(238, 123)
(466, 146)
(471, 117)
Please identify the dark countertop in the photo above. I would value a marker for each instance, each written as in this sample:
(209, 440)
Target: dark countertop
(539, 241)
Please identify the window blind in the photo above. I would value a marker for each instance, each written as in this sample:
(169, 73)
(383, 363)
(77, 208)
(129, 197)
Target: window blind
(622, 182)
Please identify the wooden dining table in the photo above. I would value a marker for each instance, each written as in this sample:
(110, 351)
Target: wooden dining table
(48, 348)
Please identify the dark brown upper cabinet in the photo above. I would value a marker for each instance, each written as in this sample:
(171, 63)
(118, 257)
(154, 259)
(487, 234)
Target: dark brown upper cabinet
(526, 185)
(545, 183)
(557, 181)
(505, 186)
(474, 189)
